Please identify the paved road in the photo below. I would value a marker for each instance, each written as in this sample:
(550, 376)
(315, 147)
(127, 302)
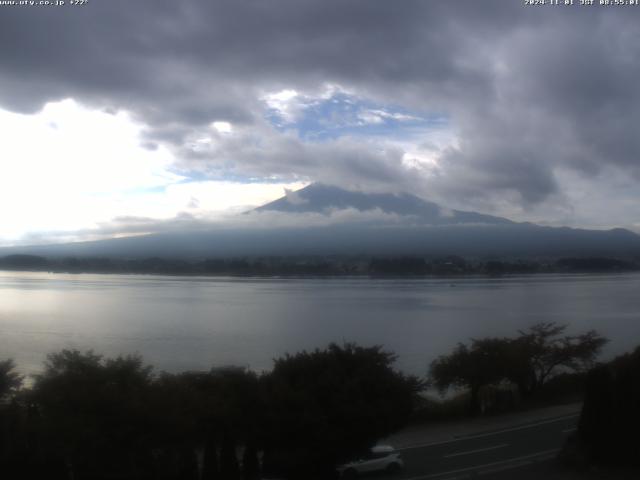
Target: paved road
(486, 452)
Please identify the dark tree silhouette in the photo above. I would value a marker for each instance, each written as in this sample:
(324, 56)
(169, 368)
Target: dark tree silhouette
(327, 406)
(542, 350)
(529, 360)
(610, 419)
(229, 469)
(10, 380)
(99, 418)
(210, 467)
(216, 410)
(13, 438)
(472, 367)
(94, 412)
(250, 463)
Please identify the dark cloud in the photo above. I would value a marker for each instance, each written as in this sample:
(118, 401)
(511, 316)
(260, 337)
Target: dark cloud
(561, 99)
(528, 90)
(268, 154)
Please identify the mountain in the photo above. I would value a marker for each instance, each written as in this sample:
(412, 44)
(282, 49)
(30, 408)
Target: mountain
(320, 198)
(412, 226)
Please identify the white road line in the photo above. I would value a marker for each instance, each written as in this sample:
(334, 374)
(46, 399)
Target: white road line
(567, 430)
(488, 434)
(469, 452)
(486, 465)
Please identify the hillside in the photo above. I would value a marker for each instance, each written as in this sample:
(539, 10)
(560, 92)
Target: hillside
(408, 226)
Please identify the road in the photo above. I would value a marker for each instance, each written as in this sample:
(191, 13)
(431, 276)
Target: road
(486, 452)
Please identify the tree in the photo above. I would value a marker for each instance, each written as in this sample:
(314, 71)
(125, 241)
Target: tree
(610, 418)
(250, 463)
(482, 363)
(10, 380)
(542, 351)
(327, 406)
(13, 440)
(218, 409)
(94, 412)
(529, 360)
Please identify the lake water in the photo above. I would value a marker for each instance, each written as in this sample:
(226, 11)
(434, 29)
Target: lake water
(180, 323)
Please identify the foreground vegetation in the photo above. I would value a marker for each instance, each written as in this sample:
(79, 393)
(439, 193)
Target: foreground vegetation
(89, 417)
(524, 365)
(610, 421)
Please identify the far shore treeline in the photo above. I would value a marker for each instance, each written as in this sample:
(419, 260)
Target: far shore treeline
(85, 416)
(321, 265)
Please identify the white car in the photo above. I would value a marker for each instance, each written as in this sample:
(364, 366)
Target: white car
(381, 458)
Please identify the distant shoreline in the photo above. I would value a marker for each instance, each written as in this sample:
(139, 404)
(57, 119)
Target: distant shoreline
(409, 267)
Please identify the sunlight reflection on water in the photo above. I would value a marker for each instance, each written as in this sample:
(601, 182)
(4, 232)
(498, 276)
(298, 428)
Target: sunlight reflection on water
(180, 323)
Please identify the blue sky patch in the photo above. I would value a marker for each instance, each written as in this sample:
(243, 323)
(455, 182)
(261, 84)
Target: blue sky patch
(341, 114)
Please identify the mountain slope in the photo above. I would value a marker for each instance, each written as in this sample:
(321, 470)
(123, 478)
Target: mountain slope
(419, 228)
(320, 198)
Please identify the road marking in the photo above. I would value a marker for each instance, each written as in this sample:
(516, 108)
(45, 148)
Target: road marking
(487, 465)
(469, 452)
(567, 430)
(488, 434)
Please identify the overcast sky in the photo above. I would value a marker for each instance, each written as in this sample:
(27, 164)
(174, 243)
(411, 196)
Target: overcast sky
(146, 111)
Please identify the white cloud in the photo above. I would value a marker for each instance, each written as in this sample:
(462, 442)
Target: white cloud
(70, 168)
(289, 104)
(222, 127)
(367, 117)
(224, 196)
(294, 198)
(66, 167)
(285, 103)
(377, 116)
(335, 216)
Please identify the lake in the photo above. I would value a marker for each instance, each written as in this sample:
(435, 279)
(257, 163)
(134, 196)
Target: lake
(183, 323)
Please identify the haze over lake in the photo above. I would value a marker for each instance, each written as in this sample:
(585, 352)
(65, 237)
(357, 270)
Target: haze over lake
(180, 323)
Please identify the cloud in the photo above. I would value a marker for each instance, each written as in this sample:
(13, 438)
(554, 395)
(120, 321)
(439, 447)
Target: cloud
(207, 221)
(73, 174)
(378, 116)
(69, 168)
(259, 151)
(294, 197)
(528, 93)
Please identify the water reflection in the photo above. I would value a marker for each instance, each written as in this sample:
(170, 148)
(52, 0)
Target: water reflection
(182, 323)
